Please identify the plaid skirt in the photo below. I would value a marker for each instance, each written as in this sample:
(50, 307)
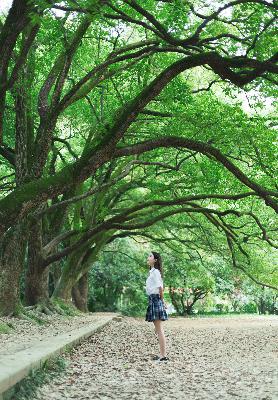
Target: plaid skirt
(156, 309)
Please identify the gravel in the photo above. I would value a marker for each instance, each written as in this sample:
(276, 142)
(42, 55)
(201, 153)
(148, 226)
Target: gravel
(209, 358)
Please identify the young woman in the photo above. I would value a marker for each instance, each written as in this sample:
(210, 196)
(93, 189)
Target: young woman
(156, 311)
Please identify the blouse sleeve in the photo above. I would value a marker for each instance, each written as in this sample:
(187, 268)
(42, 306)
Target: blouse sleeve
(158, 279)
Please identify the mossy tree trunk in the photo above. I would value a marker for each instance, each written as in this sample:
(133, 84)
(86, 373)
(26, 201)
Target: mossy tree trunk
(26, 170)
(71, 273)
(78, 264)
(37, 276)
(13, 244)
(80, 293)
(12, 252)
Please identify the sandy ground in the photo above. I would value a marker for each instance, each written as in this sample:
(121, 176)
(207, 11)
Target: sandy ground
(26, 333)
(209, 358)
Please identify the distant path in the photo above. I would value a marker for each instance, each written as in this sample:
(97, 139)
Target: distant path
(211, 358)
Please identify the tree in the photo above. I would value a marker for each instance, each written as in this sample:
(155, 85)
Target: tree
(61, 126)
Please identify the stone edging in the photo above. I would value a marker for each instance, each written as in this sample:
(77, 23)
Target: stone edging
(15, 367)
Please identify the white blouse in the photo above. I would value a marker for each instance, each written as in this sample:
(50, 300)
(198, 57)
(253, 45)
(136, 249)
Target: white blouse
(153, 282)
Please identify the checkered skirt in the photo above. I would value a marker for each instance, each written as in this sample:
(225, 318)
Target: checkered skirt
(156, 309)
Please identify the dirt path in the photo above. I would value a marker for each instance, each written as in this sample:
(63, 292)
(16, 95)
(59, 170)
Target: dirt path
(28, 334)
(210, 358)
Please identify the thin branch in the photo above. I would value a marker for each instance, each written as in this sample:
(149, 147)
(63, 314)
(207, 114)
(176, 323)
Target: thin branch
(236, 266)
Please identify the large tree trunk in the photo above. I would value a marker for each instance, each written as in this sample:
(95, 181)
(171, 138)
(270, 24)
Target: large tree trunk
(37, 276)
(64, 287)
(36, 281)
(70, 275)
(36, 285)
(54, 276)
(79, 263)
(80, 293)
(197, 295)
(12, 252)
(13, 244)
(262, 304)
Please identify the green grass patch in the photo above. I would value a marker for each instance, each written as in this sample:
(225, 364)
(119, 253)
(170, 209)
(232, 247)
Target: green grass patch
(36, 319)
(21, 312)
(68, 309)
(6, 327)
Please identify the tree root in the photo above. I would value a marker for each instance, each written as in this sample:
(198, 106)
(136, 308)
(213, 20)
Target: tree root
(28, 315)
(36, 313)
(47, 308)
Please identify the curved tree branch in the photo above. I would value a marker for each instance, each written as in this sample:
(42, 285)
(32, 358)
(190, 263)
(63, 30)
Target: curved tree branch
(205, 149)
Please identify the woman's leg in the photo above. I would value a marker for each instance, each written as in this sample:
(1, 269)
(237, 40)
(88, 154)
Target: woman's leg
(161, 337)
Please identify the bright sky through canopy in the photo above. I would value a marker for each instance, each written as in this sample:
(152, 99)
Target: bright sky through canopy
(5, 5)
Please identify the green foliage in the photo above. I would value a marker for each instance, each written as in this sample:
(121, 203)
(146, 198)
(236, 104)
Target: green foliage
(136, 306)
(249, 308)
(193, 241)
(116, 280)
(68, 309)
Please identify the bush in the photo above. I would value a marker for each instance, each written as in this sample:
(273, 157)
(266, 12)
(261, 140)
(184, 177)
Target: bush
(97, 306)
(133, 310)
(219, 307)
(250, 308)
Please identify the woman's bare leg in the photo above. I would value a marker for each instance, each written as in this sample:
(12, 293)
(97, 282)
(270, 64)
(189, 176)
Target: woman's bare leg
(161, 337)
(155, 329)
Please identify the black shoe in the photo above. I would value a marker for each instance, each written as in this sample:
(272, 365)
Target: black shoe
(164, 359)
(156, 358)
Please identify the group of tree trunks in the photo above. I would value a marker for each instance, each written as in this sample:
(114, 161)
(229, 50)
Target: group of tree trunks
(34, 242)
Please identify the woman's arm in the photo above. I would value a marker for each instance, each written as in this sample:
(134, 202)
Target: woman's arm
(161, 295)
(159, 285)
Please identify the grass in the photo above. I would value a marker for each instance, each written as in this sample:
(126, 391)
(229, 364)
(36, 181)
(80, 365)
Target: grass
(28, 387)
(68, 309)
(6, 328)
(29, 315)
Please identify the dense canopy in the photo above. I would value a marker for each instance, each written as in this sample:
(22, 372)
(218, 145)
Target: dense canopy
(151, 120)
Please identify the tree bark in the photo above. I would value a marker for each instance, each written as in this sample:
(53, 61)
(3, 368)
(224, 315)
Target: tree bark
(80, 293)
(36, 285)
(37, 277)
(79, 263)
(71, 273)
(13, 244)
(12, 252)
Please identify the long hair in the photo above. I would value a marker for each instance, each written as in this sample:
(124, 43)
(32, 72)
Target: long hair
(158, 262)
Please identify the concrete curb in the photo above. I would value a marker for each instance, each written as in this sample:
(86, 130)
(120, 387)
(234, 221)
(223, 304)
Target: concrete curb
(15, 367)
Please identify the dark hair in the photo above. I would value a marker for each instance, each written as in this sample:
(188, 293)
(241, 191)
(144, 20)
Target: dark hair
(158, 262)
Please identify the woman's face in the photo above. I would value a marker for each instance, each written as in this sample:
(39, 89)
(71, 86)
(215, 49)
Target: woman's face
(151, 259)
